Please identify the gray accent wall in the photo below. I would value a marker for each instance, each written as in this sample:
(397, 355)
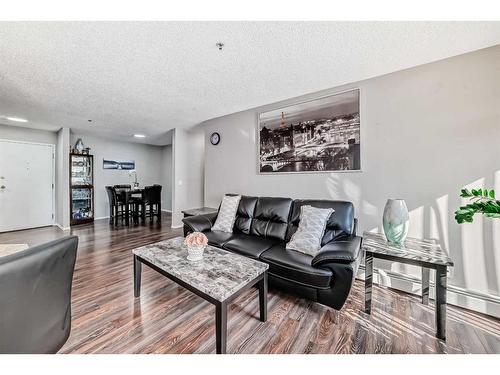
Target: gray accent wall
(426, 132)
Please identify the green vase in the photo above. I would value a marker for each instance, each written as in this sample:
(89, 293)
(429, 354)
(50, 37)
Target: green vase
(396, 221)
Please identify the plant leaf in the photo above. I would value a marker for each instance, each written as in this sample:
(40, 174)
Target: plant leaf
(492, 215)
(465, 193)
(481, 201)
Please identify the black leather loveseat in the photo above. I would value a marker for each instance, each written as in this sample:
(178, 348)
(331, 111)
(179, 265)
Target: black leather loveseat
(265, 224)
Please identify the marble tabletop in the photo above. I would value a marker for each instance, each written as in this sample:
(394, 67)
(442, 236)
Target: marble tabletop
(219, 274)
(428, 251)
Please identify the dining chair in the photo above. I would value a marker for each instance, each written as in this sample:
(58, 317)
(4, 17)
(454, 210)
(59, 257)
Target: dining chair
(138, 207)
(125, 187)
(119, 189)
(152, 200)
(116, 205)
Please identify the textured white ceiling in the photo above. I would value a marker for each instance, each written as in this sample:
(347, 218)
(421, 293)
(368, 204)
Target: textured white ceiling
(149, 77)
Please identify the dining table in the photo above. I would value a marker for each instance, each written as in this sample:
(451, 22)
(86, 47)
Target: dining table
(128, 196)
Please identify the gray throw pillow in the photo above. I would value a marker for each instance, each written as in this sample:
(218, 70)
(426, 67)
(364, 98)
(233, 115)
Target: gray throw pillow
(227, 214)
(307, 238)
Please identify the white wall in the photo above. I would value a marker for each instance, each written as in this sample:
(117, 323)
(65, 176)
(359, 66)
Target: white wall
(148, 163)
(18, 133)
(166, 177)
(426, 132)
(188, 161)
(63, 208)
(60, 140)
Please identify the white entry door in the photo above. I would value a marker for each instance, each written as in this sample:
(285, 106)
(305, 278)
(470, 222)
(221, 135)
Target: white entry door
(26, 185)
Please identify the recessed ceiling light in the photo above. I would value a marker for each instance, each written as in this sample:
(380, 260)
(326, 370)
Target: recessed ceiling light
(16, 119)
(139, 136)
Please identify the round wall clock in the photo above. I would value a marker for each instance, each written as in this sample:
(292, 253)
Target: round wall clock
(215, 138)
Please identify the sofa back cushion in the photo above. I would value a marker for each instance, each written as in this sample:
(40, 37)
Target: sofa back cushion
(271, 217)
(245, 214)
(340, 223)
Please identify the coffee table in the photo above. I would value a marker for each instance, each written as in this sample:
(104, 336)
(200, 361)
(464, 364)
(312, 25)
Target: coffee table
(218, 278)
(424, 253)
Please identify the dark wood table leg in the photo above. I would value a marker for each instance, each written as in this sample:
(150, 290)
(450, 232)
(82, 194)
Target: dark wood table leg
(263, 298)
(441, 302)
(425, 285)
(143, 211)
(368, 282)
(137, 276)
(221, 327)
(127, 212)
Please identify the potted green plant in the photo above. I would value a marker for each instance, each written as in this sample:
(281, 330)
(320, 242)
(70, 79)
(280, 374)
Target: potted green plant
(482, 201)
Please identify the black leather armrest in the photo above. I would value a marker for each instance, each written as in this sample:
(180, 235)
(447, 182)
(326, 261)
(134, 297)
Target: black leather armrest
(345, 250)
(200, 223)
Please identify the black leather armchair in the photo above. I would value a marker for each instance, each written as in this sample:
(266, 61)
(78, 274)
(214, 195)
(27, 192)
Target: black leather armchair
(35, 297)
(264, 225)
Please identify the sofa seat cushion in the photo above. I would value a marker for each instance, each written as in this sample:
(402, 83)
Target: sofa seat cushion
(295, 266)
(217, 238)
(248, 245)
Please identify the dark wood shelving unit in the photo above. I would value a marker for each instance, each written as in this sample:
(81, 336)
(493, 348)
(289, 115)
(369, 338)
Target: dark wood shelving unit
(81, 189)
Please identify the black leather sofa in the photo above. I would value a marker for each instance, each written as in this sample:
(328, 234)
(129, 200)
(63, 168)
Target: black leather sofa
(35, 297)
(265, 224)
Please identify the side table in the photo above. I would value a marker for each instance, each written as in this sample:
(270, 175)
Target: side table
(423, 253)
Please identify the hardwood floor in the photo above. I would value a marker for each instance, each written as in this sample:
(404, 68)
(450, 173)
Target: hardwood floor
(169, 319)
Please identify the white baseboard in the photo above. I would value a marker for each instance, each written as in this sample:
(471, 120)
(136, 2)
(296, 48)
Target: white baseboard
(484, 303)
(173, 226)
(107, 217)
(61, 227)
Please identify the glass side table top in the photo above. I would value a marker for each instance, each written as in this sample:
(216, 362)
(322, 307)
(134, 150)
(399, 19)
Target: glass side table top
(428, 251)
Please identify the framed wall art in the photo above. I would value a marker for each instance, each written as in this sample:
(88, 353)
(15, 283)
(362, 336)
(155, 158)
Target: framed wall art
(320, 135)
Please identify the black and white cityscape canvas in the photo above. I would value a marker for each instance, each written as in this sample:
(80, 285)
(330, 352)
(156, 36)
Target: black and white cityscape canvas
(118, 164)
(321, 135)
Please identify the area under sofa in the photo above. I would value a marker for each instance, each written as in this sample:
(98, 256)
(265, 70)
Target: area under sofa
(264, 225)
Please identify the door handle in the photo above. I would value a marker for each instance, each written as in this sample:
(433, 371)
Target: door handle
(2, 187)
